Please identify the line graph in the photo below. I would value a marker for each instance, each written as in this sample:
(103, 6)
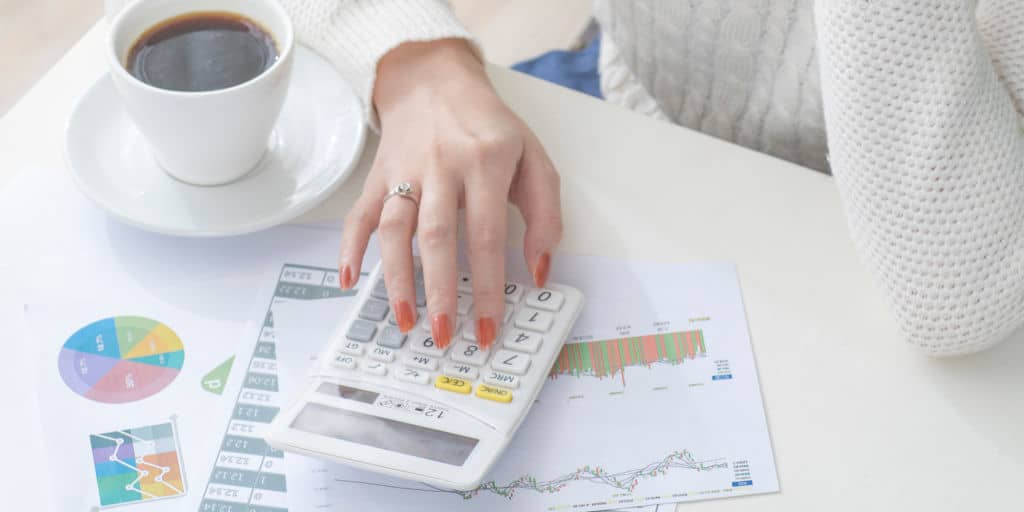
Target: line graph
(605, 358)
(137, 464)
(626, 480)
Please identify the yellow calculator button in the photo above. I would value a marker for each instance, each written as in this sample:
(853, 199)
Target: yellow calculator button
(493, 393)
(452, 384)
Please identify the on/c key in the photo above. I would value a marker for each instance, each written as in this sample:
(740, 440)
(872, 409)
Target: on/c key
(493, 393)
(452, 384)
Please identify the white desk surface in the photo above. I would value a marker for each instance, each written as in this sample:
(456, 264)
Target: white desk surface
(859, 420)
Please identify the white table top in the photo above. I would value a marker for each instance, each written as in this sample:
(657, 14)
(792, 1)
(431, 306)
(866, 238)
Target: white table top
(858, 419)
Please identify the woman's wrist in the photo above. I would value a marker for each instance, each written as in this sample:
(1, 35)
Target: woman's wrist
(412, 70)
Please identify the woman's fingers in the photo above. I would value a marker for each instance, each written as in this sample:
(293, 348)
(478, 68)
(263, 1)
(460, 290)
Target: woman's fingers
(537, 194)
(397, 224)
(486, 226)
(360, 223)
(437, 241)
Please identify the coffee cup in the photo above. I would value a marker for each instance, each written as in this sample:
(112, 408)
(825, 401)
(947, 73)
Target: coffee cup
(203, 81)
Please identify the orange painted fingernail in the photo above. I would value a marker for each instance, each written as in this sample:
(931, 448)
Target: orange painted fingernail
(403, 315)
(485, 332)
(540, 272)
(441, 330)
(346, 277)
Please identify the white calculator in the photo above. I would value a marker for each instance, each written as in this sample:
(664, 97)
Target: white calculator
(398, 404)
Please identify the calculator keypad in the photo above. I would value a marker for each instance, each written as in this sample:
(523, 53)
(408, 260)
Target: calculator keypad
(391, 337)
(511, 362)
(361, 330)
(494, 393)
(422, 342)
(465, 282)
(425, 323)
(374, 310)
(465, 371)
(522, 341)
(419, 361)
(496, 378)
(534, 320)
(382, 354)
(548, 300)
(454, 384)
(468, 331)
(513, 293)
(352, 348)
(380, 291)
(343, 361)
(463, 303)
(413, 375)
(373, 344)
(469, 352)
(373, 367)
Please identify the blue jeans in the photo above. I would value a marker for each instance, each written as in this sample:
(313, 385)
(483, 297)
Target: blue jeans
(576, 70)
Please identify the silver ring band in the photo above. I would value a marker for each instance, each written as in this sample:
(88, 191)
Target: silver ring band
(403, 189)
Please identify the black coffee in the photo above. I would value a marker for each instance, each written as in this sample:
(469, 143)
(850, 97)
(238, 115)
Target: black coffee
(202, 51)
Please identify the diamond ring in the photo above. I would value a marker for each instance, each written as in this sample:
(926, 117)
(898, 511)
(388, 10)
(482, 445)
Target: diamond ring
(403, 189)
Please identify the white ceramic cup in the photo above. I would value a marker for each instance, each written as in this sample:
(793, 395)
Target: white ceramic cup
(210, 137)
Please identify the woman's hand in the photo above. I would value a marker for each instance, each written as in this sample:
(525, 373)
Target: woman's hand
(445, 131)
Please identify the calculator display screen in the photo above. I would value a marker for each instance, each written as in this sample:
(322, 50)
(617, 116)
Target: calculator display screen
(385, 434)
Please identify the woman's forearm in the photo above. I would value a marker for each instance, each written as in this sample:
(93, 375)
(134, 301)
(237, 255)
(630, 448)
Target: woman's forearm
(355, 34)
(926, 148)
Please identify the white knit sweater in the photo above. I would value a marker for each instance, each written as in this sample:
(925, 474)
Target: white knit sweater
(920, 99)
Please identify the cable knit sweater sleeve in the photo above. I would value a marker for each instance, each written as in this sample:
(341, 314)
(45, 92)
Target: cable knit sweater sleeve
(926, 148)
(355, 34)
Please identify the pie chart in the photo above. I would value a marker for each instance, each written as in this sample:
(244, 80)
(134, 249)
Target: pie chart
(121, 359)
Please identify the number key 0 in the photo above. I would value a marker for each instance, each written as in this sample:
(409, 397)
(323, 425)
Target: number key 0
(548, 300)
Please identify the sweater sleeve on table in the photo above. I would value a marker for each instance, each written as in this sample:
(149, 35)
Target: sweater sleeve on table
(355, 34)
(925, 144)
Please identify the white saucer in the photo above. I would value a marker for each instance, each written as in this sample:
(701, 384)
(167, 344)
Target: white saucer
(315, 145)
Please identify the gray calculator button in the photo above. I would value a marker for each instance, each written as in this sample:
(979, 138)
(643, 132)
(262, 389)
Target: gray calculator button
(421, 294)
(380, 291)
(465, 302)
(391, 337)
(465, 282)
(361, 330)
(391, 318)
(468, 331)
(374, 310)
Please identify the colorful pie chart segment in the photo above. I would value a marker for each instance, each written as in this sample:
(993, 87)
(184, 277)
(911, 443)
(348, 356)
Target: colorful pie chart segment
(121, 359)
